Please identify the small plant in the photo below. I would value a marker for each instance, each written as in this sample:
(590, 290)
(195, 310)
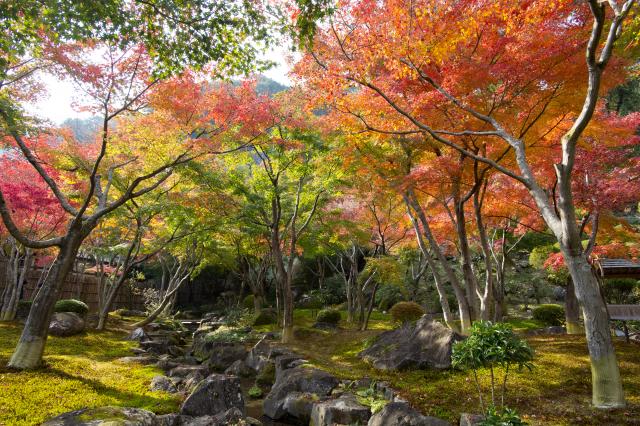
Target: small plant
(247, 302)
(71, 305)
(504, 417)
(265, 317)
(330, 316)
(406, 312)
(370, 397)
(255, 392)
(492, 346)
(549, 314)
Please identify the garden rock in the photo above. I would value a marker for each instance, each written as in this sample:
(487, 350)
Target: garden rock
(425, 345)
(345, 410)
(162, 383)
(142, 359)
(467, 419)
(214, 395)
(65, 324)
(138, 335)
(298, 406)
(325, 326)
(190, 382)
(258, 355)
(240, 369)
(284, 362)
(173, 419)
(186, 370)
(219, 355)
(299, 379)
(401, 414)
(104, 416)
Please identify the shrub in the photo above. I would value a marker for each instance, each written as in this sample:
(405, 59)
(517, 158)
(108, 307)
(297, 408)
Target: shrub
(406, 312)
(247, 303)
(549, 314)
(71, 305)
(330, 316)
(255, 392)
(504, 417)
(266, 317)
(492, 346)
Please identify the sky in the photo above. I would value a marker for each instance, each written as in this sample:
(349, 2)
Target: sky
(57, 105)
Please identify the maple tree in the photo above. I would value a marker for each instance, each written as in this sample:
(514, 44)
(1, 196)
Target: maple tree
(488, 81)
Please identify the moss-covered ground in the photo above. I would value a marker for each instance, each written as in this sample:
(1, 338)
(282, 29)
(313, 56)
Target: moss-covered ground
(83, 371)
(80, 371)
(556, 392)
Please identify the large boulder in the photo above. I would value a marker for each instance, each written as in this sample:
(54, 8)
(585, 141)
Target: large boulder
(345, 410)
(66, 324)
(425, 345)
(105, 416)
(401, 414)
(299, 379)
(240, 369)
(219, 355)
(214, 395)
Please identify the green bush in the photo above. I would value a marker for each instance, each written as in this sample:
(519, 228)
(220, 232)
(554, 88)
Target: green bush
(504, 417)
(493, 347)
(71, 305)
(549, 314)
(255, 392)
(266, 317)
(247, 303)
(330, 316)
(406, 312)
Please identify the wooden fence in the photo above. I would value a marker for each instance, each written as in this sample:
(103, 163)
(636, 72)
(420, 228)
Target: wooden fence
(84, 286)
(81, 286)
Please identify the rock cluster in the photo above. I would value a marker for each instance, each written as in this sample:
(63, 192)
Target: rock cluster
(209, 372)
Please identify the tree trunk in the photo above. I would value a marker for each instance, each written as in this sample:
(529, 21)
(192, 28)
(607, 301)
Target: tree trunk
(365, 323)
(471, 285)
(30, 348)
(287, 319)
(486, 298)
(16, 277)
(607, 385)
(572, 309)
(463, 305)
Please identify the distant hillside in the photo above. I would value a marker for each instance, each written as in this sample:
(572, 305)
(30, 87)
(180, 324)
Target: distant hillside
(83, 128)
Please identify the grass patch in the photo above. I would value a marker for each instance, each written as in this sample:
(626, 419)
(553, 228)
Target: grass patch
(557, 392)
(80, 372)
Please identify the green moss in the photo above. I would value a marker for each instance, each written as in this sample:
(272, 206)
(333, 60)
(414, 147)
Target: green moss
(71, 305)
(557, 393)
(80, 372)
(110, 414)
(268, 374)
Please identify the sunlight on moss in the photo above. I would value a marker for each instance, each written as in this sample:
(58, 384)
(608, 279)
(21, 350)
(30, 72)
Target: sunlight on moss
(80, 373)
